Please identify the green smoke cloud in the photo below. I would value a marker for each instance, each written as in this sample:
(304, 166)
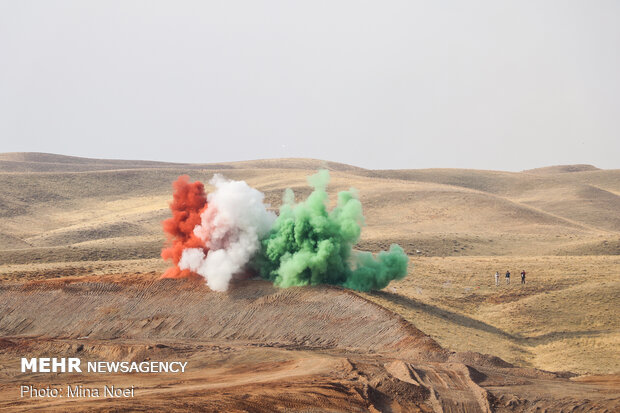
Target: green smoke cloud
(310, 245)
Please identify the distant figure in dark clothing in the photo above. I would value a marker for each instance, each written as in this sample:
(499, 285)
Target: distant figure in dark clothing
(523, 277)
(507, 277)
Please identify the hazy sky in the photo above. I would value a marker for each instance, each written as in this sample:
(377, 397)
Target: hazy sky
(492, 84)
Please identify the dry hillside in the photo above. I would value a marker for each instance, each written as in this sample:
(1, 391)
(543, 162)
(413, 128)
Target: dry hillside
(70, 218)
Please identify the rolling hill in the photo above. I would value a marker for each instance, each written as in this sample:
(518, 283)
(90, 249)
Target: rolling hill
(67, 216)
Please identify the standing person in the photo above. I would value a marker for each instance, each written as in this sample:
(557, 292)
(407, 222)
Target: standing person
(496, 278)
(523, 277)
(507, 277)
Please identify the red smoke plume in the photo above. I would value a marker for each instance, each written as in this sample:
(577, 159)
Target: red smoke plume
(189, 200)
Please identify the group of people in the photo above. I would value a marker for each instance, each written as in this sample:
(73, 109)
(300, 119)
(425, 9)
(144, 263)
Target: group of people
(508, 277)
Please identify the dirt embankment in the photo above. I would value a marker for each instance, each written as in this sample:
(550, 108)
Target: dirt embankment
(145, 307)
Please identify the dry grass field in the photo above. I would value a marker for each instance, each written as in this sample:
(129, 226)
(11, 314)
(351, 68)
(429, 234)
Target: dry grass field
(64, 217)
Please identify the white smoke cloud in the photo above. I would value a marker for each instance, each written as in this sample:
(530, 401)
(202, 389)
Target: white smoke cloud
(232, 227)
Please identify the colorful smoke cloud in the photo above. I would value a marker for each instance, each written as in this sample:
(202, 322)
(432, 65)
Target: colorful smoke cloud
(231, 228)
(310, 245)
(188, 202)
(306, 244)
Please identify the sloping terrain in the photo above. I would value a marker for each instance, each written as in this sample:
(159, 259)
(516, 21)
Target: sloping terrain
(147, 308)
(563, 318)
(585, 197)
(543, 217)
(79, 259)
(562, 169)
(350, 353)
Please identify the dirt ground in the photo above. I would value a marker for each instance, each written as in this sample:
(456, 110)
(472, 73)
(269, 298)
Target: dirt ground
(330, 350)
(79, 267)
